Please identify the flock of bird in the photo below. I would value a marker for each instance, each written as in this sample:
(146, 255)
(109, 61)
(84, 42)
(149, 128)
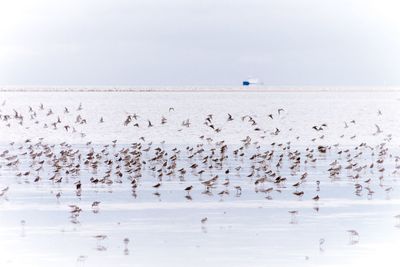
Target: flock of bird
(209, 168)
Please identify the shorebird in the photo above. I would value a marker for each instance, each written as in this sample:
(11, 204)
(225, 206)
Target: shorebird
(238, 189)
(75, 209)
(296, 184)
(378, 130)
(126, 242)
(299, 194)
(95, 204)
(293, 214)
(226, 182)
(188, 189)
(321, 242)
(316, 198)
(100, 237)
(4, 191)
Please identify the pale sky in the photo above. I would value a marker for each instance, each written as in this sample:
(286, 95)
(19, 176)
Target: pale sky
(203, 42)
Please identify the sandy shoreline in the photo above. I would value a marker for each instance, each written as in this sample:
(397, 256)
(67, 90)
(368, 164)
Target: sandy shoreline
(186, 172)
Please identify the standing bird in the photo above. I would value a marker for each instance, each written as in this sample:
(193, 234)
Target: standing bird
(238, 189)
(378, 130)
(321, 242)
(187, 189)
(316, 198)
(126, 242)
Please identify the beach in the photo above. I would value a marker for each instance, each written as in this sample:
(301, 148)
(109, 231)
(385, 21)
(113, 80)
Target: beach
(305, 177)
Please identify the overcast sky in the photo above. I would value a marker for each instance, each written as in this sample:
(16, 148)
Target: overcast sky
(199, 42)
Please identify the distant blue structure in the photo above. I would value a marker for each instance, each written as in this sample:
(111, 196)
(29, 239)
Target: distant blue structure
(251, 81)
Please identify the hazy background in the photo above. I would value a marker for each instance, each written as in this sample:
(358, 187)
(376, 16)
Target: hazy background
(204, 42)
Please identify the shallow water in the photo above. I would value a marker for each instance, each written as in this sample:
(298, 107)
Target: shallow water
(164, 225)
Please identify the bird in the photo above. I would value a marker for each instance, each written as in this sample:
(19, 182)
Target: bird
(100, 237)
(321, 242)
(188, 189)
(95, 204)
(4, 191)
(378, 130)
(157, 185)
(296, 184)
(238, 189)
(316, 198)
(293, 214)
(299, 194)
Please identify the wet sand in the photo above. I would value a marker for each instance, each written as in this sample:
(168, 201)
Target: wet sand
(253, 226)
